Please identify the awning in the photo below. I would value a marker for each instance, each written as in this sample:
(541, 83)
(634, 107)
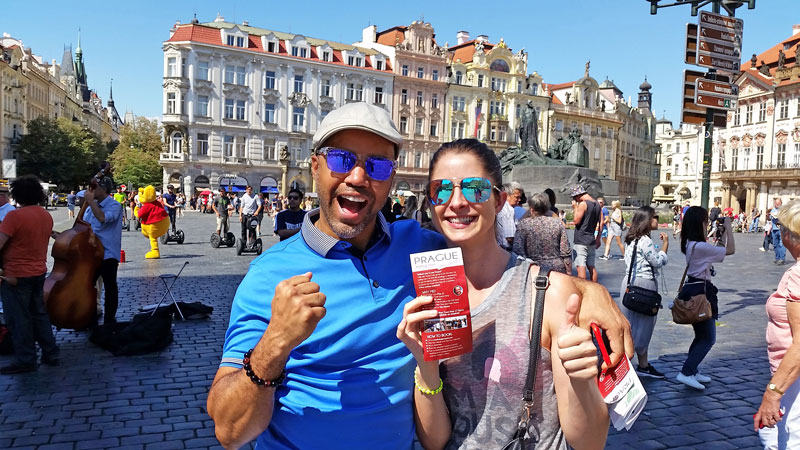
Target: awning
(269, 189)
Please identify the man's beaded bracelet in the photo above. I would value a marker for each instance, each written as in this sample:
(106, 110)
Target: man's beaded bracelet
(248, 370)
(428, 391)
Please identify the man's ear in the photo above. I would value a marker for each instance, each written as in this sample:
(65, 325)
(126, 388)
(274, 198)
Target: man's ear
(314, 166)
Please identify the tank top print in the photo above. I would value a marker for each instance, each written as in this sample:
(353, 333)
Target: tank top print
(483, 389)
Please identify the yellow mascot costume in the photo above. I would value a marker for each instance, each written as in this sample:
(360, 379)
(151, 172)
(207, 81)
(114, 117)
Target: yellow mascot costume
(154, 219)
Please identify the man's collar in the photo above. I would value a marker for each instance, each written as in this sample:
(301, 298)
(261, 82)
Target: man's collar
(323, 243)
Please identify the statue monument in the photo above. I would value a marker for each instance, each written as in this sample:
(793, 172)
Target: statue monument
(561, 167)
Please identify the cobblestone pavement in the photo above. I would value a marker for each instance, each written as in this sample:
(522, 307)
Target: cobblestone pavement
(96, 400)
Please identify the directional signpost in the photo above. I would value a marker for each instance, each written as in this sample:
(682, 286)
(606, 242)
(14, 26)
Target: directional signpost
(719, 41)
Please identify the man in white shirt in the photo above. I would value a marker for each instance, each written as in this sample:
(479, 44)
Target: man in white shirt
(505, 227)
(250, 205)
(5, 206)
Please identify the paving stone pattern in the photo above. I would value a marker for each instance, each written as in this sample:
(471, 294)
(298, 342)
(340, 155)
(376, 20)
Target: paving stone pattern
(158, 401)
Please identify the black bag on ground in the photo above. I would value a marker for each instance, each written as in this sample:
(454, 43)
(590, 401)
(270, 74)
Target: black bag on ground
(191, 311)
(639, 299)
(144, 334)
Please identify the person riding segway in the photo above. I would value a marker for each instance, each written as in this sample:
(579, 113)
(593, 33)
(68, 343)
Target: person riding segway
(170, 204)
(248, 216)
(221, 205)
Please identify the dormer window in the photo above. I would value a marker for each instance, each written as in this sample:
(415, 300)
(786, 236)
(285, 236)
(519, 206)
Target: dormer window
(235, 37)
(272, 47)
(231, 40)
(356, 61)
(326, 56)
(379, 65)
(302, 52)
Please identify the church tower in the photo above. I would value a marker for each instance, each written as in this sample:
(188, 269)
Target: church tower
(645, 97)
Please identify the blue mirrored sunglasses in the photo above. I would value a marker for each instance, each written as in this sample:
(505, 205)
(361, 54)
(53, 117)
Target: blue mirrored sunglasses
(342, 161)
(474, 190)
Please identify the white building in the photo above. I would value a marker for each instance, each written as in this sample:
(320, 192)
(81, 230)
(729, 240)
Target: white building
(241, 104)
(681, 163)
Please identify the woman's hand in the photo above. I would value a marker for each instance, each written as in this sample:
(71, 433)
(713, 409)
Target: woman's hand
(769, 413)
(576, 350)
(409, 331)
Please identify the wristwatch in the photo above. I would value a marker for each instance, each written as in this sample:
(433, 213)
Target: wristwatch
(772, 387)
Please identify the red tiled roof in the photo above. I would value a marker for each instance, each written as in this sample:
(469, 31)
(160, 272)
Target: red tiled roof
(466, 51)
(557, 87)
(392, 35)
(209, 35)
(770, 59)
(555, 99)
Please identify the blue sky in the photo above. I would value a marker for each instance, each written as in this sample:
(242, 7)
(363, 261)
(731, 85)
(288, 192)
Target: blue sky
(122, 40)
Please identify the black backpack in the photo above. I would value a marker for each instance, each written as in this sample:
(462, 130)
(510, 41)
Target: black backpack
(144, 334)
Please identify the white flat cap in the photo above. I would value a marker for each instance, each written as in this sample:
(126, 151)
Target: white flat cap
(359, 116)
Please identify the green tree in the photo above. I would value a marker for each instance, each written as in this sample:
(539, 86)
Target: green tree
(60, 151)
(135, 160)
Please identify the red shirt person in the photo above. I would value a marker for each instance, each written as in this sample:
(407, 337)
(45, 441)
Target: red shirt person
(24, 236)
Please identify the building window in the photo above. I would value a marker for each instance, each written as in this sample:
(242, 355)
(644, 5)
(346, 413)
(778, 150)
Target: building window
(229, 108)
(759, 157)
(401, 160)
(324, 113)
(736, 117)
(762, 111)
(269, 149)
(435, 75)
(457, 130)
(177, 142)
(459, 103)
(231, 40)
(272, 47)
(783, 109)
(379, 95)
(355, 92)
(418, 160)
(501, 133)
(419, 125)
(480, 80)
(227, 145)
(234, 74)
(459, 77)
(298, 83)
(299, 51)
(497, 108)
(202, 105)
(240, 107)
(420, 98)
(492, 133)
(172, 103)
(420, 72)
(325, 89)
(796, 163)
(172, 67)
(240, 41)
(202, 70)
(734, 158)
(404, 96)
(748, 114)
(269, 113)
(359, 92)
(517, 110)
(559, 125)
(241, 145)
(434, 129)
(434, 101)
(498, 84)
(404, 70)
(202, 144)
(298, 118)
(403, 124)
(326, 56)
(269, 80)
(781, 163)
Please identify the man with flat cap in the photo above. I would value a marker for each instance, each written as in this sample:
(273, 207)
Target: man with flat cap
(311, 358)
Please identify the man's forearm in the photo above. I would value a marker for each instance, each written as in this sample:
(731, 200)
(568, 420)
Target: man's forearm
(284, 233)
(97, 211)
(241, 410)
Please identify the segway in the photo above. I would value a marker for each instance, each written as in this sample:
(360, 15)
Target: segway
(253, 244)
(170, 236)
(229, 239)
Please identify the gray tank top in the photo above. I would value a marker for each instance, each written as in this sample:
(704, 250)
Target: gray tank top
(584, 233)
(483, 389)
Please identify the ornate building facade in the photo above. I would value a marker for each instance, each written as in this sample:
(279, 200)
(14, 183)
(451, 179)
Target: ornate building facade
(681, 163)
(242, 103)
(620, 137)
(420, 92)
(756, 158)
(488, 87)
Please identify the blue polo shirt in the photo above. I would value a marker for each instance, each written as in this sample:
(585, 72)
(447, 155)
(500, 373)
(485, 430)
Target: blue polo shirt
(110, 231)
(349, 385)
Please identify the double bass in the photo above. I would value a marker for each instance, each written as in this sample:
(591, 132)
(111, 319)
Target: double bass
(69, 291)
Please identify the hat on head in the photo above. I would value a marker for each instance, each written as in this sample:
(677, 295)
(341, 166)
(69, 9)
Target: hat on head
(577, 190)
(359, 116)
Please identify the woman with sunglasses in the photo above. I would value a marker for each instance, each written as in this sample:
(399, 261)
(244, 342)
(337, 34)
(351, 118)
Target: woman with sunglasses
(487, 383)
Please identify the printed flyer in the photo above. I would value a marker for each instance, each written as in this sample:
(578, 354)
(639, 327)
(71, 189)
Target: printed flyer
(440, 274)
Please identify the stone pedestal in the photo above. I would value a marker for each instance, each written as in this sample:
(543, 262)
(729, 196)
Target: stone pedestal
(561, 179)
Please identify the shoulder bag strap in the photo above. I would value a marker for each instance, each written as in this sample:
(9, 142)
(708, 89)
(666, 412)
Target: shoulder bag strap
(633, 261)
(685, 271)
(541, 284)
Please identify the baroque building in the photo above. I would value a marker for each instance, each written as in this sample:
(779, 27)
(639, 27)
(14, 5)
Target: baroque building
(241, 104)
(32, 88)
(620, 137)
(756, 158)
(488, 87)
(420, 91)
